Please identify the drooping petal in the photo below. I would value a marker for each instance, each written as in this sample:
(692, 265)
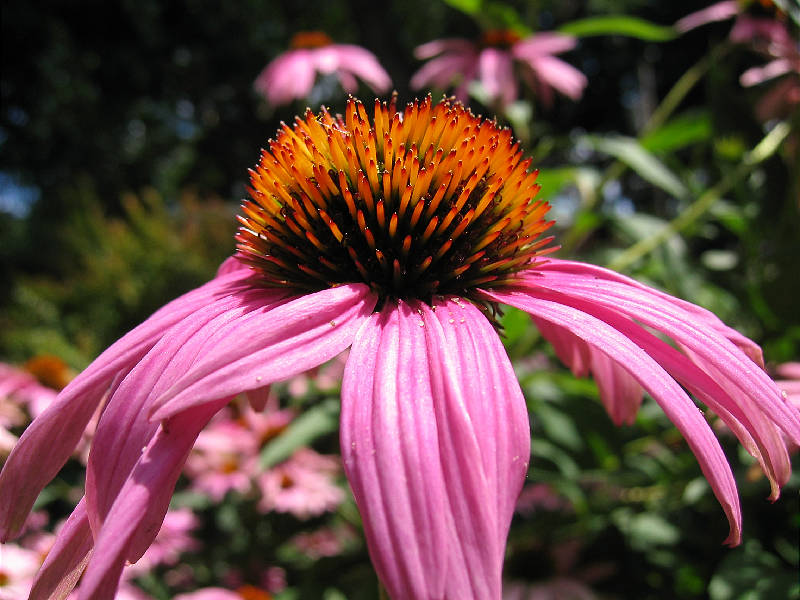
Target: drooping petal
(124, 428)
(497, 76)
(475, 369)
(444, 70)
(454, 45)
(51, 438)
(66, 560)
(701, 340)
(218, 352)
(620, 393)
(557, 265)
(363, 64)
(718, 11)
(651, 376)
(559, 75)
(543, 43)
(391, 454)
(139, 509)
(289, 76)
(270, 345)
(435, 443)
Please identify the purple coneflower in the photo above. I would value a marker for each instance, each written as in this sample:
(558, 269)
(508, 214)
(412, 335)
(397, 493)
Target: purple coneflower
(492, 61)
(396, 237)
(291, 75)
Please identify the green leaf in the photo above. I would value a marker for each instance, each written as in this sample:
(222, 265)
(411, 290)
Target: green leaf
(315, 422)
(682, 131)
(553, 180)
(632, 153)
(619, 25)
(470, 7)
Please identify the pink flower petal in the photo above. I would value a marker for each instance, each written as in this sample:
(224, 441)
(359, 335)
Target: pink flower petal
(719, 11)
(440, 72)
(124, 428)
(496, 74)
(51, 438)
(270, 345)
(139, 509)
(364, 65)
(620, 393)
(714, 353)
(750, 348)
(289, 76)
(453, 45)
(435, 443)
(66, 560)
(771, 70)
(543, 44)
(652, 377)
(559, 75)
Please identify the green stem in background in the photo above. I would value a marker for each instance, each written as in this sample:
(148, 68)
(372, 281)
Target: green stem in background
(765, 148)
(663, 111)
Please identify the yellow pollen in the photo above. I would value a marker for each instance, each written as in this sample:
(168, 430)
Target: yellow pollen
(427, 200)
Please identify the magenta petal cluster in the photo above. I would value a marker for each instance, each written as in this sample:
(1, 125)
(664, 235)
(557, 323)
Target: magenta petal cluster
(435, 439)
(497, 63)
(291, 75)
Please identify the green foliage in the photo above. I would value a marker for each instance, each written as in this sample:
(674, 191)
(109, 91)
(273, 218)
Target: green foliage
(662, 170)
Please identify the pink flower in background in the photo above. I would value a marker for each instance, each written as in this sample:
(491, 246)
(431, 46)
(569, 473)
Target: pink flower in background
(406, 264)
(327, 541)
(304, 485)
(789, 381)
(492, 63)
(291, 75)
(20, 387)
(173, 539)
(773, 40)
(18, 566)
(221, 458)
(720, 11)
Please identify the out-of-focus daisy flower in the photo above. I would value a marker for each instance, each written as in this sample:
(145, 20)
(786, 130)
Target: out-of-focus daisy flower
(291, 75)
(397, 235)
(225, 456)
(173, 539)
(327, 541)
(304, 485)
(773, 40)
(492, 62)
(18, 566)
(21, 396)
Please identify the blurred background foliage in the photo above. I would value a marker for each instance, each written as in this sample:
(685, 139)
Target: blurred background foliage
(126, 131)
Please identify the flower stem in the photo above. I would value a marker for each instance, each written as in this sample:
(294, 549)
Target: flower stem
(765, 148)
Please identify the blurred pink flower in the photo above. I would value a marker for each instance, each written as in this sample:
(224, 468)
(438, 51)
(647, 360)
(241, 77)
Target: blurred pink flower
(18, 566)
(558, 588)
(536, 496)
(212, 593)
(434, 427)
(491, 62)
(21, 397)
(304, 485)
(226, 453)
(23, 389)
(291, 75)
(173, 539)
(327, 541)
(220, 459)
(773, 40)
